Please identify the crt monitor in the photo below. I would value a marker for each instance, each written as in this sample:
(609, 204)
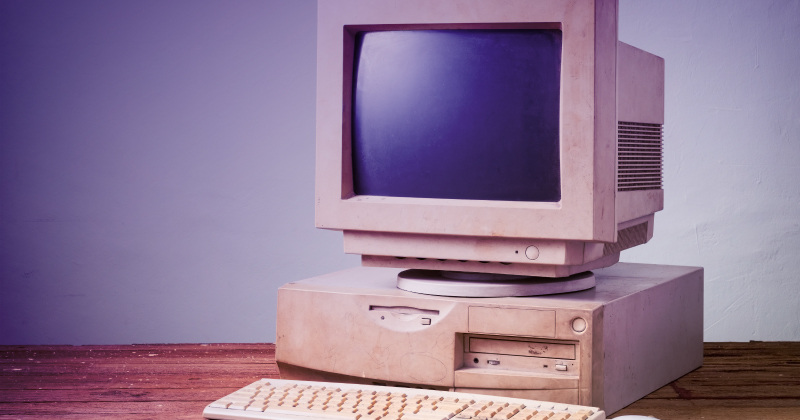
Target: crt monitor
(512, 137)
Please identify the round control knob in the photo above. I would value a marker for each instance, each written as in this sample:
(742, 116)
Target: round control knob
(532, 252)
(579, 325)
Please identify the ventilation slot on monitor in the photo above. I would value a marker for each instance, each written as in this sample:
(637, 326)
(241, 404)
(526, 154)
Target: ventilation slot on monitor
(639, 156)
(461, 261)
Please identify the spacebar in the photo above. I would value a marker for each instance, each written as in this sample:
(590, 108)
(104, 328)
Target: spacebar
(226, 414)
(315, 414)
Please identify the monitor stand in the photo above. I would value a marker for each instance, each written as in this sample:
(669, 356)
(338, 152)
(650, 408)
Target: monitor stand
(463, 284)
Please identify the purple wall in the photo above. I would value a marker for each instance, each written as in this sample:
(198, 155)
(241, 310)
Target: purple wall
(157, 164)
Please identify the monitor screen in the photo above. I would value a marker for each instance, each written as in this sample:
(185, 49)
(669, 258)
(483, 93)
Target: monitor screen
(457, 114)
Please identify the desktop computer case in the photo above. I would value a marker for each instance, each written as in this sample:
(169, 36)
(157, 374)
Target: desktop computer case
(640, 328)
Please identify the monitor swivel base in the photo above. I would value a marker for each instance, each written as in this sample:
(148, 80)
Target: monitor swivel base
(463, 284)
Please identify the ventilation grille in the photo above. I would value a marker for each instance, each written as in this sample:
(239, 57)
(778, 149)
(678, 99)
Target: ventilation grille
(639, 160)
(461, 261)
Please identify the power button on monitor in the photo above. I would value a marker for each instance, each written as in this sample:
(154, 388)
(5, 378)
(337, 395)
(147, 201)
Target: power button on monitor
(561, 367)
(532, 252)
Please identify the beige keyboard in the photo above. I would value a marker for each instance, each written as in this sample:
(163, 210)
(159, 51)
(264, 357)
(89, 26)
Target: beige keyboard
(278, 399)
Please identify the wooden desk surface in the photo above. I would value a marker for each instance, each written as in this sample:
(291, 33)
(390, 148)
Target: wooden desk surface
(175, 381)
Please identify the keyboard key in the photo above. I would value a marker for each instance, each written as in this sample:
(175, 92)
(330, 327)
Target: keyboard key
(340, 415)
(525, 414)
(424, 416)
(255, 407)
(238, 405)
(583, 414)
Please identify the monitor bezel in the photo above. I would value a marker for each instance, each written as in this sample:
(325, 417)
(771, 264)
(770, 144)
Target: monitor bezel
(587, 127)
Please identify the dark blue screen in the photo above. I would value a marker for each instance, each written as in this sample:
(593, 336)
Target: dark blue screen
(462, 114)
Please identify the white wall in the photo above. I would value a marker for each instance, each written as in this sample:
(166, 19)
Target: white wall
(732, 156)
(156, 165)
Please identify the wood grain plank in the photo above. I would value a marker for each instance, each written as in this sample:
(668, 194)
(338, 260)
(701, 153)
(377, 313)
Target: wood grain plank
(152, 354)
(127, 382)
(176, 381)
(78, 383)
(105, 410)
(720, 413)
(132, 369)
(117, 394)
(737, 380)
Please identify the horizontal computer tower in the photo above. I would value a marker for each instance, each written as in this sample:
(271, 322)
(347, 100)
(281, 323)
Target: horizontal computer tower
(637, 330)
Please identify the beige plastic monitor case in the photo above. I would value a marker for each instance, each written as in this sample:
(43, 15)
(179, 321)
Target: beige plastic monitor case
(596, 217)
